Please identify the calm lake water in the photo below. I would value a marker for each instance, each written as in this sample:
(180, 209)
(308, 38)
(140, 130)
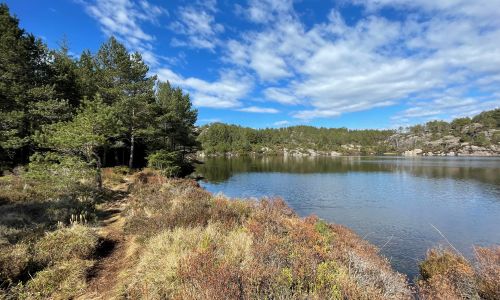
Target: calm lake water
(392, 202)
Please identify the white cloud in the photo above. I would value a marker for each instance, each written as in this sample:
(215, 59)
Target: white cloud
(282, 96)
(263, 11)
(123, 18)
(226, 92)
(261, 110)
(447, 108)
(434, 59)
(208, 121)
(281, 123)
(335, 68)
(197, 23)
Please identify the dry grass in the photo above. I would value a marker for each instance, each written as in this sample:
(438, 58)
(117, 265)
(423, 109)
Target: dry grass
(114, 176)
(14, 260)
(193, 245)
(63, 280)
(40, 257)
(74, 242)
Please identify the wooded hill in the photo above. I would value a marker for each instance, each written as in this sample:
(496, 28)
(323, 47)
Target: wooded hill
(481, 131)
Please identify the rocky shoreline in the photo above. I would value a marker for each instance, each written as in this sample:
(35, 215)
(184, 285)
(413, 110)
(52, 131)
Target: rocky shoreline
(465, 151)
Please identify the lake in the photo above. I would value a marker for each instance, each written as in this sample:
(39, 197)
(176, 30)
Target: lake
(398, 204)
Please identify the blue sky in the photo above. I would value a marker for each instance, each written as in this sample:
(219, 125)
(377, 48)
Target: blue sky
(274, 63)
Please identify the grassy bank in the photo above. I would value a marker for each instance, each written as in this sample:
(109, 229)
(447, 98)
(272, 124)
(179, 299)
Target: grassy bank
(181, 242)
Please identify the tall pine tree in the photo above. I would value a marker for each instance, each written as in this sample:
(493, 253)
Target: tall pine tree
(126, 85)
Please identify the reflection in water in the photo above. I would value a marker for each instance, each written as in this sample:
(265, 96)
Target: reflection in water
(483, 169)
(391, 201)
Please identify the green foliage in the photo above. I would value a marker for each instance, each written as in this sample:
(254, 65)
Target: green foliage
(30, 97)
(174, 120)
(84, 134)
(171, 164)
(490, 119)
(52, 101)
(54, 174)
(221, 138)
(64, 118)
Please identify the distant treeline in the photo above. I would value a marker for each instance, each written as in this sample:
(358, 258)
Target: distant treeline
(224, 138)
(220, 138)
(104, 108)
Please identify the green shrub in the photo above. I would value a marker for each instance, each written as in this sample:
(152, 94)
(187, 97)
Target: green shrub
(170, 163)
(495, 139)
(53, 175)
(75, 242)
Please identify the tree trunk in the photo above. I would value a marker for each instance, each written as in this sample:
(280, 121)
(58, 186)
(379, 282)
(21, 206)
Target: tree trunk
(131, 158)
(104, 160)
(98, 176)
(132, 140)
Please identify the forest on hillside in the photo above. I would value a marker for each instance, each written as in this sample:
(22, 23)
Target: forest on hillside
(217, 138)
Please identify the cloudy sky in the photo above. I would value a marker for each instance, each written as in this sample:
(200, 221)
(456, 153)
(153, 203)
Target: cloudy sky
(273, 63)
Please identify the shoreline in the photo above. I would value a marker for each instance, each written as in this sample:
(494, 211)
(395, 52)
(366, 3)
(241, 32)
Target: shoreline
(254, 154)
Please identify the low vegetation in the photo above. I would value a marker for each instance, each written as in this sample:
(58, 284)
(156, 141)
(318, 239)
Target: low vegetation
(189, 244)
(200, 246)
(47, 243)
(446, 274)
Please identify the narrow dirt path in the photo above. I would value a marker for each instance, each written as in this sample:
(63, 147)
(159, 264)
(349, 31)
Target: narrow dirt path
(114, 250)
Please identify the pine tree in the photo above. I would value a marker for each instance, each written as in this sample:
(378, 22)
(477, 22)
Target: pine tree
(27, 96)
(65, 76)
(126, 85)
(84, 136)
(174, 119)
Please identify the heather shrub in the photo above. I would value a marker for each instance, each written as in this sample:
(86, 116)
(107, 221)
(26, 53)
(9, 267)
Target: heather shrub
(230, 212)
(446, 275)
(199, 246)
(488, 272)
(74, 242)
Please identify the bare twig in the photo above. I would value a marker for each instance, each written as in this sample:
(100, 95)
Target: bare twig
(444, 237)
(392, 236)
